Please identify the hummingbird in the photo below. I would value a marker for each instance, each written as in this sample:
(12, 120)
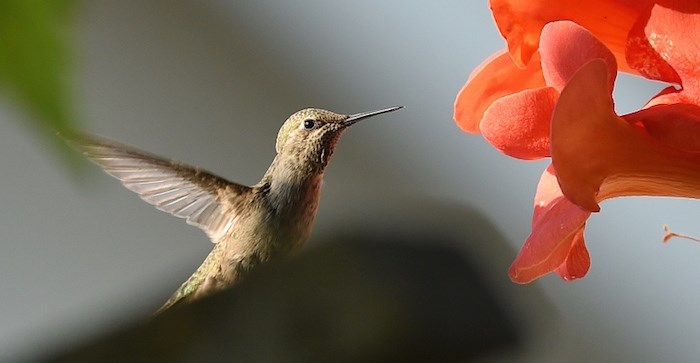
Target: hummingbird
(249, 225)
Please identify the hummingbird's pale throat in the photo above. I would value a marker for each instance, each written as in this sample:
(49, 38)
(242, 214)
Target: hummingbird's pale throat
(248, 225)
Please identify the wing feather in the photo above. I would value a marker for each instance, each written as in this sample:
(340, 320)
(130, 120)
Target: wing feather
(201, 198)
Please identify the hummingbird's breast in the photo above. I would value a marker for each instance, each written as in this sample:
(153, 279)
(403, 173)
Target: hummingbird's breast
(292, 210)
(280, 220)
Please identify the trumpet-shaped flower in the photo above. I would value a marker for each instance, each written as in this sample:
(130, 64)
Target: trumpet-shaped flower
(550, 95)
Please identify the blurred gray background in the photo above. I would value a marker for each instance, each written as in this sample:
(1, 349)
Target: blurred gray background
(209, 83)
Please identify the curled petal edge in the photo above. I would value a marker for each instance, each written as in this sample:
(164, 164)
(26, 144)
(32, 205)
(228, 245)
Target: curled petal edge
(556, 242)
(496, 77)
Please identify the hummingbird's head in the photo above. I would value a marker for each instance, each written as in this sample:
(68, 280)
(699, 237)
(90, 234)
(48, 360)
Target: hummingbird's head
(313, 132)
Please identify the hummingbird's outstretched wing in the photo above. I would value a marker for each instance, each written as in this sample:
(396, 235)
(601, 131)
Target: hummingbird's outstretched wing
(203, 199)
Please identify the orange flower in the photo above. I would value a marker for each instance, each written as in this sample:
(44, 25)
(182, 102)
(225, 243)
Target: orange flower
(556, 243)
(560, 105)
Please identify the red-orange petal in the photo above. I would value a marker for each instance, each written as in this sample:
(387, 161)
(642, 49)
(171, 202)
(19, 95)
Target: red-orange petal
(676, 125)
(566, 46)
(664, 45)
(496, 77)
(557, 225)
(578, 262)
(598, 155)
(521, 21)
(518, 124)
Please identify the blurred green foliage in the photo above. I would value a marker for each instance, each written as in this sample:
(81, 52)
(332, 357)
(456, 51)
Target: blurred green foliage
(35, 59)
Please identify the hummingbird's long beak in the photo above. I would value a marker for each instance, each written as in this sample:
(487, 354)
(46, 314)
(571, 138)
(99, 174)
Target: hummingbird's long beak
(363, 115)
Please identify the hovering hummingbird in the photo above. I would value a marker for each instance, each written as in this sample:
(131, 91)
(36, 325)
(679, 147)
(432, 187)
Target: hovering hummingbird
(248, 225)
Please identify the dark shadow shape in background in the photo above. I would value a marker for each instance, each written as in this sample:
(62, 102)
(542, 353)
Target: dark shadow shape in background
(412, 287)
(350, 301)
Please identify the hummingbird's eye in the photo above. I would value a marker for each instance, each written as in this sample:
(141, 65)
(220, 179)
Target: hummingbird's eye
(309, 124)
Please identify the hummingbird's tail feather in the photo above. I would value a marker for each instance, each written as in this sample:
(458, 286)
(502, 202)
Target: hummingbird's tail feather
(185, 290)
(201, 283)
(210, 277)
